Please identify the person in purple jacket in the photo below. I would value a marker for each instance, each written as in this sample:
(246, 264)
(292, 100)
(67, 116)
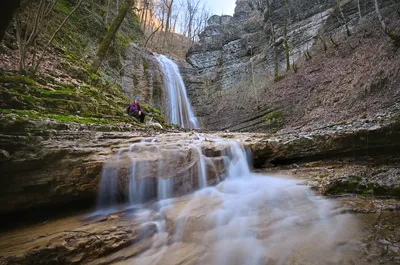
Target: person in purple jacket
(136, 110)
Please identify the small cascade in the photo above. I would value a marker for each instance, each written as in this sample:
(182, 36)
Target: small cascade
(177, 106)
(107, 196)
(246, 218)
(149, 170)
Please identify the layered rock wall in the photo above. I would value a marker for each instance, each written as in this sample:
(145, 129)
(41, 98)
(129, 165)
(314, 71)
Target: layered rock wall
(53, 164)
(231, 69)
(142, 76)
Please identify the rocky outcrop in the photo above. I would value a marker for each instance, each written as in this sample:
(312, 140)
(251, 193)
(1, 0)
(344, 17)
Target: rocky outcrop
(366, 137)
(142, 76)
(231, 68)
(78, 240)
(50, 163)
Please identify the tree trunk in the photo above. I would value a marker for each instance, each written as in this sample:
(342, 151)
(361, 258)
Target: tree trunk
(276, 63)
(359, 9)
(105, 43)
(286, 42)
(144, 22)
(167, 27)
(344, 18)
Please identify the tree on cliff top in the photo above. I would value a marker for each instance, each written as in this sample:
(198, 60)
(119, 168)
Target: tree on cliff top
(111, 32)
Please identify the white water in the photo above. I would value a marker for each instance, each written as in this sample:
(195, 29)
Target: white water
(247, 219)
(178, 108)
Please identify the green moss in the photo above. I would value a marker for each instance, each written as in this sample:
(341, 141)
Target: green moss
(355, 184)
(395, 191)
(77, 119)
(274, 120)
(19, 114)
(323, 176)
(18, 80)
(5, 111)
(62, 7)
(145, 64)
(124, 41)
(29, 113)
(276, 115)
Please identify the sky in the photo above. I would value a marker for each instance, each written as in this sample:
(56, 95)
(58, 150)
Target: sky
(221, 7)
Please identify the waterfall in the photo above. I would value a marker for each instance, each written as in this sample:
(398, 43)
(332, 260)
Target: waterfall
(177, 105)
(245, 219)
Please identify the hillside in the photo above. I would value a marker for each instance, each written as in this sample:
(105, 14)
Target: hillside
(66, 88)
(333, 78)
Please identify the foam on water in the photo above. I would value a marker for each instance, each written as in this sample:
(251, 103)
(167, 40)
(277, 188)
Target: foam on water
(247, 218)
(178, 108)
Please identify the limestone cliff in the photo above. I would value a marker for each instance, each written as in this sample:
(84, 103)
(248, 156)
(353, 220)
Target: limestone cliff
(345, 67)
(142, 76)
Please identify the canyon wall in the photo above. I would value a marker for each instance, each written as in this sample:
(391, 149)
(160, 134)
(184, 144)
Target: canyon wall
(230, 78)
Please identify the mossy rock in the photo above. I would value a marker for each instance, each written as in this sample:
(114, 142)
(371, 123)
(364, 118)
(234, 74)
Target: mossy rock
(274, 120)
(18, 80)
(358, 185)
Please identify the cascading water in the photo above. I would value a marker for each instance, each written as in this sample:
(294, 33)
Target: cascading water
(247, 219)
(178, 108)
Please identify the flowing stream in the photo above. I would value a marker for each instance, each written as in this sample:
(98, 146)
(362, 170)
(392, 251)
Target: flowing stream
(244, 219)
(177, 106)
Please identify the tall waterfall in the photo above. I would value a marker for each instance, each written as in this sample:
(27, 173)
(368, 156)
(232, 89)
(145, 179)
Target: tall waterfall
(178, 108)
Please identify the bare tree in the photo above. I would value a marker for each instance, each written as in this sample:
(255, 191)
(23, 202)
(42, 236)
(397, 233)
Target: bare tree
(359, 9)
(321, 33)
(200, 21)
(192, 8)
(36, 67)
(110, 35)
(286, 41)
(273, 39)
(388, 32)
(29, 23)
(168, 5)
(32, 18)
(342, 19)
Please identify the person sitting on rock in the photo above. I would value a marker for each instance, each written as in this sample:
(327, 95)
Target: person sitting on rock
(136, 110)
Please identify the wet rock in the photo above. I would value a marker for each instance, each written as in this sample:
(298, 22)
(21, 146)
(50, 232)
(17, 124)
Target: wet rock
(4, 156)
(51, 165)
(76, 240)
(63, 166)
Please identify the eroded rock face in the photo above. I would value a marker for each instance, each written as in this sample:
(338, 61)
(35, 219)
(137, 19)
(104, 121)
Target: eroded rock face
(366, 137)
(78, 240)
(231, 69)
(142, 76)
(54, 164)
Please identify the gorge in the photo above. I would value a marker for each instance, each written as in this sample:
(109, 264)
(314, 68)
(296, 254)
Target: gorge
(249, 166)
